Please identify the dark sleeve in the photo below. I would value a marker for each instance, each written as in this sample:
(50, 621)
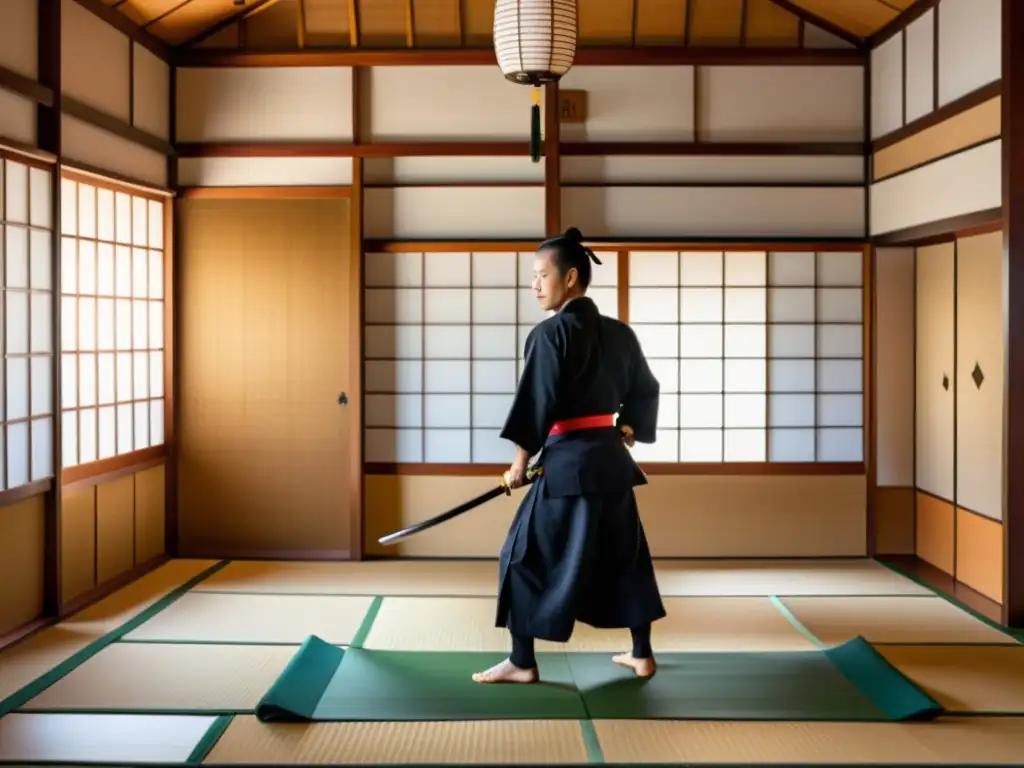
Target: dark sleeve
(532, 413)
(640, 406)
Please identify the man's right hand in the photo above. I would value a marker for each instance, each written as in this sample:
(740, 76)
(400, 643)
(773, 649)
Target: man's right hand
(627, 435)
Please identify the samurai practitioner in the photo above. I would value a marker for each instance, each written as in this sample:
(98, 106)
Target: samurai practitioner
(576, 550)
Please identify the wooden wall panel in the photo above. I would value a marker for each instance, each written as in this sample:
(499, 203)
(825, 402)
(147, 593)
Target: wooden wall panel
(894, 521)
(979, 554)
(935, 532)
(264, 335)
(151, 84)
(78, 543)
(747, 212)
(17, 117)
(963, 53)
(110, 529)
(453, 213)
(935, 389)
(264, 104)
(799, 103)
(264, 171)
(958, 133)
(980, 412)
(894, 387)
(19, 37)
(967, 182)
(115, 528)
(416, 171)
(22, 560)
(100, 149)
(95, 62)
(683, 516)
(714, 169)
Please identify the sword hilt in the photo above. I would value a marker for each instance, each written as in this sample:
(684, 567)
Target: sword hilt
(531, 474)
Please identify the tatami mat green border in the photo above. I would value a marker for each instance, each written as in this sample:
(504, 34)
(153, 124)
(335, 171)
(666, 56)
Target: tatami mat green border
(44, 681)
(209, 740)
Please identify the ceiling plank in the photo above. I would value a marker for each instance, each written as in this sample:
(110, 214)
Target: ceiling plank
(235, 18)
(818, 21)
(124, 25)
(300, 20)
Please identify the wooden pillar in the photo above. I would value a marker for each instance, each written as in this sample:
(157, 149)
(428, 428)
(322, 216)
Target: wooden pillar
(48, 137)
(1013, 311)
(552, 163)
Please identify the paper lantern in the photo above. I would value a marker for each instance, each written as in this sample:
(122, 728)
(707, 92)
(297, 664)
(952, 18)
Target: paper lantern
(535, 42)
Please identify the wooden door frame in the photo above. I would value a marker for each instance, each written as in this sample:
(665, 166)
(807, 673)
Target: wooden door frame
(352, 192)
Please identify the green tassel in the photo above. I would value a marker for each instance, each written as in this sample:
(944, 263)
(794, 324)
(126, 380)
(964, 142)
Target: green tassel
(535, 133)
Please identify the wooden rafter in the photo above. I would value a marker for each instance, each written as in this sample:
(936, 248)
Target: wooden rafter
(823, 23)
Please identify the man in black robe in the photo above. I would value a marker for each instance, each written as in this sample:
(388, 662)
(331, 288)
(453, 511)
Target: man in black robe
(576, 550)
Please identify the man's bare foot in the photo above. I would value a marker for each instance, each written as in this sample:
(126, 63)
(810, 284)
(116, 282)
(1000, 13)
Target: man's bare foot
(506, 672)
(642, 667)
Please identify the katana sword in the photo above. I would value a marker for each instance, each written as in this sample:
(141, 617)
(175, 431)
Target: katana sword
(501, 489)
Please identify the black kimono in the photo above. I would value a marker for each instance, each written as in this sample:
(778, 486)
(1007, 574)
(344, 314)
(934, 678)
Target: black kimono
(576, 550)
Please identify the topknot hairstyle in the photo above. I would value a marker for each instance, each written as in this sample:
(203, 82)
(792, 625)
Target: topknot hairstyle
(569, 252)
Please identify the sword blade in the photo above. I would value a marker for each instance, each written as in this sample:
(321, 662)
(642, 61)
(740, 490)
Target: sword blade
(412, 530)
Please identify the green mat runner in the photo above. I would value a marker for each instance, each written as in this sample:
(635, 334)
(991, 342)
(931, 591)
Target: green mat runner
(851, 682)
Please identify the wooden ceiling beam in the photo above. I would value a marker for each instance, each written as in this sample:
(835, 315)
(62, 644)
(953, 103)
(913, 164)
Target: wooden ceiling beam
(235, 18)
(123, 24)
(585, 57)
(823, 23)
(897, 25)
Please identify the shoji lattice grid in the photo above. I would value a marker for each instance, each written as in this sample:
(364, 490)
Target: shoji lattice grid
(112, 322)
(444, 341)
(759, 355)
(26, 338)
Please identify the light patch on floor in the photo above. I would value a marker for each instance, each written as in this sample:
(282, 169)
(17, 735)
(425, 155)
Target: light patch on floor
(131, 739)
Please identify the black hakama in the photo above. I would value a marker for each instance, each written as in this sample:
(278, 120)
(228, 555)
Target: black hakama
(576, 550)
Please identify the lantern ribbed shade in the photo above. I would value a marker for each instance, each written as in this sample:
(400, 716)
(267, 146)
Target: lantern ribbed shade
(535, 40)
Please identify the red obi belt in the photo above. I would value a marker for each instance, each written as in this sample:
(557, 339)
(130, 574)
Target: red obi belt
(583, 422)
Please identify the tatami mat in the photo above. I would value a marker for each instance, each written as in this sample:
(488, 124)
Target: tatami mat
(479, 578)
(487, 741)
(781, 577)
(407, 577)
(27, 661)
(229, 618)
(920, 620)
(965, 678)
(131, 739)
(692, 624)
(954, 741)
(169, 678)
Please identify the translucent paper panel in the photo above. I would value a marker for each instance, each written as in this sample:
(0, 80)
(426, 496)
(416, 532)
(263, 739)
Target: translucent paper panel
(840, 410)
(156, 374)
(140, 273)
(122, 271)
(792, 375)
(653, 305)
(123, 371)
(488, 447)
(142, 438)
(748, 376)
(791, 410)
(40, 200)
(791, 268)
(86, 211)
(446, 270)
(840, 305)
(123, 217)
(606, 300)
(491, 410)
(701, 376)
(840, 375)
(840, 341)
(493, 342)
(105, 324)
(446, 377)
(702, 341)
(16, 192)
(785, 340)
(745, 411)
(17, 445)
(106, 430)
(140, 221)
(156, 422)
(156, 223)
(41, 397)
(16, 242)
(529, 311)
(700, 445)
(400, 376)
(399, 270)
(446, 411)
(87, 379)
(446, 446)
(42, 449)
(86, 267)
(69, 380)
(394, 305)
(667, 373)
(155, 271)
(69, 438)
(745, 341)
(394, 341)
(40, 261)
(68, 207)
(840, 444)
(140, 324)
(658, 341)
(494, 306)
(394, 411)
(106, 378)
(791, 305)
(701, 411)
(494, 376)
(125, 428)
(140, 375)
(87, 324)
(653, 269)
(87, 435)
(845, 268)
(69, 265)
(123, 317)
(105, 224)
(701, 269)
(494, 270)
(16, 319)
(746, 268)
(701, 305)
(791, 445)
(745, 445)
(394, 445)
(41, 322)
(745, 305)
(17, 388)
